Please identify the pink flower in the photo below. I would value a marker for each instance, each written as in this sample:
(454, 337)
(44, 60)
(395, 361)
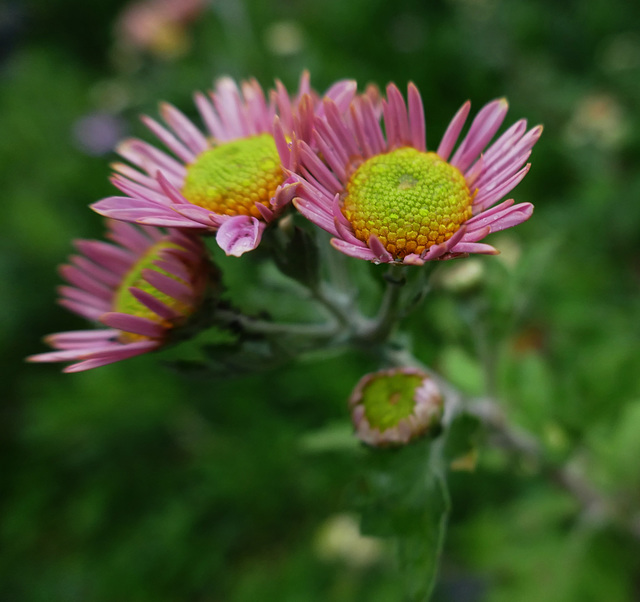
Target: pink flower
(142, 286)
(387, 199)
(229, 180)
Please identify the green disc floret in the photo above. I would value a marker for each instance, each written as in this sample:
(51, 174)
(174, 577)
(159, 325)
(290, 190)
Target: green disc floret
(230, 178)
(409, 199)
(389, 399)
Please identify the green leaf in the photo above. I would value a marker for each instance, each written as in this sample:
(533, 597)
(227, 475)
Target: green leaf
(403, 496)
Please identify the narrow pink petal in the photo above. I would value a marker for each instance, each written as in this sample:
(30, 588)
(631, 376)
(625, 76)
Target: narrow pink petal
(133, 324)
(139, 191)
(476, 234)
(82, 309)
(506, 140)
(200, 215)
(320, 171)
(474, 172)
(81, 296)
(390, 125)
(107, 255)
(480, 220)
(169, 222)
(314, 214)
(417, 124)
(510, 157)
(129, 236)
(304, 117)
(103, 276)
(170, 190)
(342, 93)
(66, 355)
(169, 286)
(126, 202)
(379, 249)
(170, 263)
(518, 214)
(184, 128)
(146, 215)
(361, 136)
(304, 85)
(78, 337)
(343, 134)
(453, 131)
(413, 259)
(209, 116)
(154, 304)
(284, 105)
(122, 353)
(284, 151)
(226, 99)
(80, 279)
(474, 247)
(489, 196)
(352, 250)
(372, 127)
(149, 158)
(284, 195)
(265, 213)
(483, 128)
(434, 252)
(259, 118)
(240, 234)
(333, 138)
(134, 175)
(169, 140)
(401, 120)
(331, 154)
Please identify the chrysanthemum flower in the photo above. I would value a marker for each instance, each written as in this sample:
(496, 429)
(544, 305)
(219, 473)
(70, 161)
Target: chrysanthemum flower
(393, 407)
(390, 200)
(141, 287)
(229, 180)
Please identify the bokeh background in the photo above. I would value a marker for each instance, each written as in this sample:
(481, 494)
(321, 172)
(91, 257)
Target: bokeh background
(134, 482)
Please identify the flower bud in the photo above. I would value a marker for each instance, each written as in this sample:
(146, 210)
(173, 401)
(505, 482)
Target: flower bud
(393, 407)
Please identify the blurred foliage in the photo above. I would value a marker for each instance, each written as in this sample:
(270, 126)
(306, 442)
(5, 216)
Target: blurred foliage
(135, 483)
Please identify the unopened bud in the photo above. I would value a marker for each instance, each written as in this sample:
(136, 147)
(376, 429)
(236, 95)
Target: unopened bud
(393, 407)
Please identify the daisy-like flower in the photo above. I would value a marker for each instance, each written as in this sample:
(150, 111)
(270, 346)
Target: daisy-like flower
(229, 179)
(388, 199)
(141, 287)
(393, 407)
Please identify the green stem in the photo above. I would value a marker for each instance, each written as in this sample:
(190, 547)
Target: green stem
(380, 328)
(252, 325)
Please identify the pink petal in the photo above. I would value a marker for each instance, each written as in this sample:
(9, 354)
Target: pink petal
(240, 234)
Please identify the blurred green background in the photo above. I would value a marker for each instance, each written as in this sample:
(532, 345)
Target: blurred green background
(133, 482)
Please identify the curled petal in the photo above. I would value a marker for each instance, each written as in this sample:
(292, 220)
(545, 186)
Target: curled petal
(239, 234)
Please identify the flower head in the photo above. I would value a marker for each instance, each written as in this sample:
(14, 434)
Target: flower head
(393, 407)
(229, 180)
(389, 199)
(143, 286)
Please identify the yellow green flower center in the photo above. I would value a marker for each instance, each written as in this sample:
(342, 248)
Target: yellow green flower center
(125, 302)
(229, 179)
(409, 199)
(388, 399)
